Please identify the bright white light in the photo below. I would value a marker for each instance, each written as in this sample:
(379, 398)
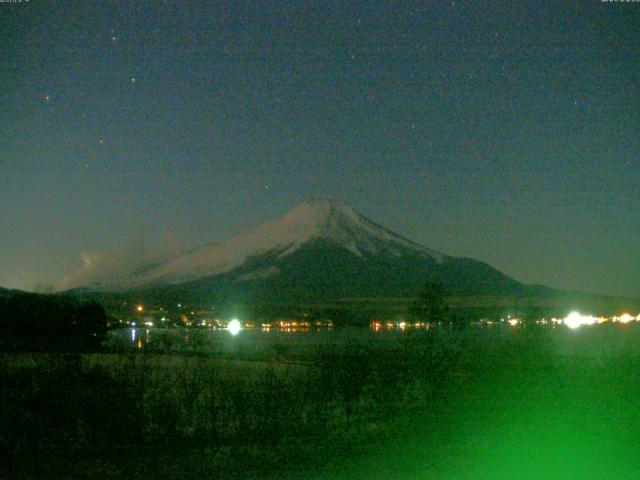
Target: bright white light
(234, 326)
(625, 318)
(575, 319)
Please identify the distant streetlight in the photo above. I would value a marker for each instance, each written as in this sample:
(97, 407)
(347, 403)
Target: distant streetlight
(575, 320)
(234, 326)
(139, 308)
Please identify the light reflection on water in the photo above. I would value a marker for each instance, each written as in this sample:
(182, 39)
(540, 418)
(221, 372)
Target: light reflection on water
(593, 340)
(289, 339)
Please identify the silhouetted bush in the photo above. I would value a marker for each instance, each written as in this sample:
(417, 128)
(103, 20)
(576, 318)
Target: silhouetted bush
(34, 322)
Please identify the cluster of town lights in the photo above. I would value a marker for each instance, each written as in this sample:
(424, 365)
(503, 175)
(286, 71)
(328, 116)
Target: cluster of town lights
(378, 325)
(576, 319)
(573, 320)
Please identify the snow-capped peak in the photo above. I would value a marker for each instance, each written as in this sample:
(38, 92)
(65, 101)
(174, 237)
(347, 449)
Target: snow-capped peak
(314, 219)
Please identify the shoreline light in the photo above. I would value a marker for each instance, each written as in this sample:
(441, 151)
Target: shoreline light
(624, 318)
(576, 319)
(234, 326)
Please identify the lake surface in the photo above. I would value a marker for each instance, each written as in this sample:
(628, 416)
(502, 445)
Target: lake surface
(588, 340)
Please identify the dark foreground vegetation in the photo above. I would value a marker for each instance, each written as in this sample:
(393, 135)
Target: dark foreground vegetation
(49, 323)
(450, 404)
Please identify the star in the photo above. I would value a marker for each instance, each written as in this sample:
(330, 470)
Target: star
(101, 141)
(47, 98)
(114, 39)
(133, 80)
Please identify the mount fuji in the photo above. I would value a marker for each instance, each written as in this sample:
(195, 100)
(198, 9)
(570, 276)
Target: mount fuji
(309, 223)
(321, 250)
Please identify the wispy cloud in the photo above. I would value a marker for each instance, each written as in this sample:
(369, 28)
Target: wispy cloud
(121, 266)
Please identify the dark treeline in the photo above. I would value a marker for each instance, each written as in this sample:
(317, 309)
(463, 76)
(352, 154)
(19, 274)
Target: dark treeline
(38, 322)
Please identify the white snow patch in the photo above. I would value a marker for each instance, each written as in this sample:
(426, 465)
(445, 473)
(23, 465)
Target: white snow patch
(315, 219)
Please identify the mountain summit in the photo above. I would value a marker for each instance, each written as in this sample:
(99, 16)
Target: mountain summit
(321, 219)
(319, 250)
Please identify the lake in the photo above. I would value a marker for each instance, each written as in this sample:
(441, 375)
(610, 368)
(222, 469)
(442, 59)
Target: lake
(587, 340)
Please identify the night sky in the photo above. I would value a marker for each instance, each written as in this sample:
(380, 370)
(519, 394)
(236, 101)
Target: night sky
(508, 132)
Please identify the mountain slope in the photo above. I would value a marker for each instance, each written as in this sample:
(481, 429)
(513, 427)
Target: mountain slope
(320, 251)
(313, 220)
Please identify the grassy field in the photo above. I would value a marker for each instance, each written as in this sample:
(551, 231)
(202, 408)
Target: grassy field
(450, 404)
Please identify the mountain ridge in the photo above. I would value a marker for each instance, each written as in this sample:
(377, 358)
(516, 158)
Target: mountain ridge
(320, 250)
(311, 220)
